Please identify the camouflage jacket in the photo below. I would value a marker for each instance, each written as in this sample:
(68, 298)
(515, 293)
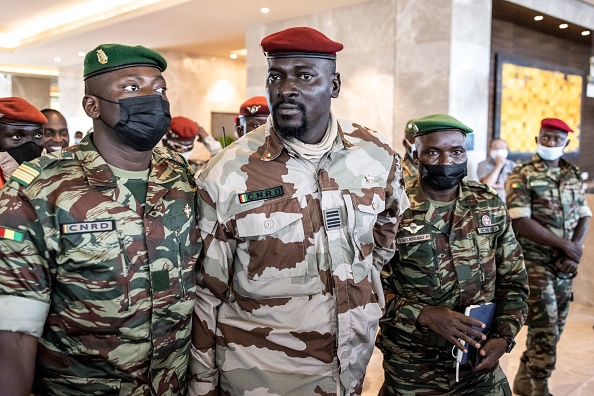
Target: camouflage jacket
(106, 286)
(551, 196)
(410, 170)
(474, 257)
(289, 294)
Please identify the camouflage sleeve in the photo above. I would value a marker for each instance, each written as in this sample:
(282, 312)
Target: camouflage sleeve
(401, 312)
(517, 195)
(511, 289)
(384, 231)
(212, 288)
(584, 210)
(25, 279)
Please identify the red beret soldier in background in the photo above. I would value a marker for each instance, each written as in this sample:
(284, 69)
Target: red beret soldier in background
(253, 113)
(550, 215)
(21, 134)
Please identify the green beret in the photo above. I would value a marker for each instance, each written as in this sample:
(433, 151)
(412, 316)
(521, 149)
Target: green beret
(108, 57)
(438, 122)
(409, 126)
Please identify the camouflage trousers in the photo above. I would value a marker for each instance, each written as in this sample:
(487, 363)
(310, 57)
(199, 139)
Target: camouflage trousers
(548, 306)
(412, 370)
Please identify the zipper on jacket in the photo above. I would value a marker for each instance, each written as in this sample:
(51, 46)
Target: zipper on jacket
(180, 264)
(126, 265)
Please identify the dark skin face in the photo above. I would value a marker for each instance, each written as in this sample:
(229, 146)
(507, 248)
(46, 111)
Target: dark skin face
(299, 92)
(14, 135)
(440, 148)
(118, 84)
(249, 123)
(55, 132)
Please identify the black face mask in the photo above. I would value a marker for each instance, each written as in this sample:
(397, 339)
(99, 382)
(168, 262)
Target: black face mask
(25, 152)
(144, 120)
(444, 177)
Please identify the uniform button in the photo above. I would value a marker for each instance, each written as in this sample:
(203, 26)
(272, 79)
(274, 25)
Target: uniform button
(269, 224)
(441, 255)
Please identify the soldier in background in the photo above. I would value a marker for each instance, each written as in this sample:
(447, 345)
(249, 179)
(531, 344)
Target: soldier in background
(55, 131)
(21, 134)
(253, 113)
(98, 244)
(78, 135)
(550, 216)
(298, 219)
(455, 247)
(410, 169)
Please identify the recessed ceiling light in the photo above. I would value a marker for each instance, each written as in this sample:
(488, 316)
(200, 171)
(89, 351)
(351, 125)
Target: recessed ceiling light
(233, 56)
(563, 26)
(538, 18)
(586, 33)
(81, 53)
(265, 10)
(57, 59)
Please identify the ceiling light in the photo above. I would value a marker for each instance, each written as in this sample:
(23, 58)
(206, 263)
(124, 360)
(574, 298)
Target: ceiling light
(586, 33)
(81, 53)
(563, 26)
(57, 59)
(538, 18)
(265, 10)
(233, 56)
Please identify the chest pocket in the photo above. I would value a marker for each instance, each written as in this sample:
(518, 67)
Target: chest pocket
(271, 259)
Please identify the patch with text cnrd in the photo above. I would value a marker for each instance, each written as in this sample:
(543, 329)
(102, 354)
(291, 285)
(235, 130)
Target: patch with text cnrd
(259, 195)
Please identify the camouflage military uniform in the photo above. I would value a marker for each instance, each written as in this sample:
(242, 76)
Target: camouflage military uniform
(410, 170)
(107, 286)
(464, 257)
(553, 197)
(289, 294)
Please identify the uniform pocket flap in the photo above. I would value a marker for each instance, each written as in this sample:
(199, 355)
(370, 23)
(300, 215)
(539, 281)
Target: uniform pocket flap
(262, 224)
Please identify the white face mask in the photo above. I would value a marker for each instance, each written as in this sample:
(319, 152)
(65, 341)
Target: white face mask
(550, 153)
(498, 153)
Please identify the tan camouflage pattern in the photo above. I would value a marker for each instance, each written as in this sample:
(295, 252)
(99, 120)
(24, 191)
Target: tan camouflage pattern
(113, 327)
(471, 257)
(556, 200)
(286, 306)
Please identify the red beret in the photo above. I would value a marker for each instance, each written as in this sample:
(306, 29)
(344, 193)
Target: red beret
(555, 123)
(18, 110)
(299, 42)
(184, 128)
(254, 106)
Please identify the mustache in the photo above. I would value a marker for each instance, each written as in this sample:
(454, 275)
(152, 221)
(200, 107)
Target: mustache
(301, 106)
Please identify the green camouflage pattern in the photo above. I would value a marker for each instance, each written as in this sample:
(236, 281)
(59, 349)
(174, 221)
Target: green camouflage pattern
(472, 257)
(551, 196)
(554, 198)
(289, 293)
(410, 170)
(120, 300)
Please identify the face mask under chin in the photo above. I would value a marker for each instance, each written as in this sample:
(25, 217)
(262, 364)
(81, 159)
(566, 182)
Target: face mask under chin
(444, 177)
(550, 153)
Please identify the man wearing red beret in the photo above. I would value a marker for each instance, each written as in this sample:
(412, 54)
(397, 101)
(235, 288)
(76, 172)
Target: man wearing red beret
(550, 216)
(21, 134)
(253, 113)
(298, 218)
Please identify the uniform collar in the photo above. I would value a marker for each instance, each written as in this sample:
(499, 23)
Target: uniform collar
(273, 146)
(419, 201)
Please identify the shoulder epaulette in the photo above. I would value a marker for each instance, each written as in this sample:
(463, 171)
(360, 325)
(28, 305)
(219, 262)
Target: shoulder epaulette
(481, 186)
(172, 156)
(29, 171)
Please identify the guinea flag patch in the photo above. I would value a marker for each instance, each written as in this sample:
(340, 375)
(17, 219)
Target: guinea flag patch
(11, 234)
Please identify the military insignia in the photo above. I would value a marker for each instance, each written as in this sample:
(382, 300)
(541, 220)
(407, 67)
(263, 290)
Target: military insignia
(487, 230)
(369, 178)
(253, 109)
(332, 219)
(486, 220)
(515, 185)
(539, 183)
(187, 211)
(259, 195)
(101, 56)
(11, 235)
(415, 127)
(88, 227)
(25, 174)
(409, 125)
(413, 238)
(413, 228)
